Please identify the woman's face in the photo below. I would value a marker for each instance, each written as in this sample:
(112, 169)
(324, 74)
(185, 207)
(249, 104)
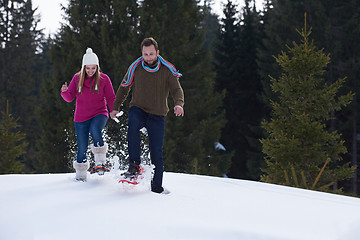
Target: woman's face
(90, 70)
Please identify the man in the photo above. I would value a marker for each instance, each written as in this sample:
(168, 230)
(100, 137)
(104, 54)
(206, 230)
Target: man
(151, 78)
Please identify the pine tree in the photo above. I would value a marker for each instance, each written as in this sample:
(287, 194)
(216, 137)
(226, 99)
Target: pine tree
(236, 66)
(226, 54)
(344, 48)
(212, 26)
(54, 119)
(251, 106)
(349, 37)
(12, 144)
(189, 141)
(335, 28)
(19, 41)
(299, 145)
(280, 19)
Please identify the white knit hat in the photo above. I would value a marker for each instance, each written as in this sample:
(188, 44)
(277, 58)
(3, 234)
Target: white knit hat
(90, 58)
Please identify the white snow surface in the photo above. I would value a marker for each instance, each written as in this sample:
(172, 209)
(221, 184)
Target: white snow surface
(54, 206)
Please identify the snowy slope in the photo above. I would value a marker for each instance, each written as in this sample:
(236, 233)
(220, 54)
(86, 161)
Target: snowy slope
(54, 206)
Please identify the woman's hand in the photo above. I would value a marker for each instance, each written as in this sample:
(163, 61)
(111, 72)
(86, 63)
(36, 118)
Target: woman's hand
(64, 87)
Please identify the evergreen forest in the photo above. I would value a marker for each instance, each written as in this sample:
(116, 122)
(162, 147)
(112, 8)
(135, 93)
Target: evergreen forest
(270, 94)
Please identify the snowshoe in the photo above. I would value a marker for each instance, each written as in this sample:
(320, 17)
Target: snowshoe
(100, 169)
(133, 175)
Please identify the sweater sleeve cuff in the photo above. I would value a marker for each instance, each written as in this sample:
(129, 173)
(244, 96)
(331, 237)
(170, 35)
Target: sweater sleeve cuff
(66, 96)
(180, 103)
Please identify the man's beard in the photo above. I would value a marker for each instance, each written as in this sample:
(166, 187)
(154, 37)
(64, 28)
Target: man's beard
(152, 62)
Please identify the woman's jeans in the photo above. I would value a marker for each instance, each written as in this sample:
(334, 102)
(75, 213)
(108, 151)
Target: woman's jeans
(155, 126)
(94, 126)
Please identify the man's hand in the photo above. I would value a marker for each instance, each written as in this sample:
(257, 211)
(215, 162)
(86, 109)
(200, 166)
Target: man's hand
(178, 110)
(113, 114)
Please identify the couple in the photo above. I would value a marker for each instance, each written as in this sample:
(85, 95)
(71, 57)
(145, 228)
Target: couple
(151, 78)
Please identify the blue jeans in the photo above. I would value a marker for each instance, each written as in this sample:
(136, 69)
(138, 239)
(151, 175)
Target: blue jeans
(93, 126)
(155, 126)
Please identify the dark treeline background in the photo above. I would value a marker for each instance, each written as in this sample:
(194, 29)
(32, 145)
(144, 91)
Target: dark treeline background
(225, 61)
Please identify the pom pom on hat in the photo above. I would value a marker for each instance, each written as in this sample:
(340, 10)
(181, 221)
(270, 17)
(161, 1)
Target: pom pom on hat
(90, 58)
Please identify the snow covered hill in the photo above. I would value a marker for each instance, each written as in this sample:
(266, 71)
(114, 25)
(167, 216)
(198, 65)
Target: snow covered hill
(54, 206)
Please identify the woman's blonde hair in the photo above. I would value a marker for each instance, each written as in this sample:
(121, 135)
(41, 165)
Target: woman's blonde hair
(96, 76)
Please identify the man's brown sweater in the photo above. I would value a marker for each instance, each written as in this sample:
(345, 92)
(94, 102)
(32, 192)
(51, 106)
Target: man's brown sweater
(151, 91)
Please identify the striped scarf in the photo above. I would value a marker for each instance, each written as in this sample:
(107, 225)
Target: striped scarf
(130, 77)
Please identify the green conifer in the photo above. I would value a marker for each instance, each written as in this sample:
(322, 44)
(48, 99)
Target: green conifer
(12, 144)
(19, 42)
(299, 145)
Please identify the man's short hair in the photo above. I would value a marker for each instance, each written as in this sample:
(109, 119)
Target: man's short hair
(148, 42)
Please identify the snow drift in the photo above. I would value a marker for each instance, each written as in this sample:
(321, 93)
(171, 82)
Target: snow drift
(54, 206)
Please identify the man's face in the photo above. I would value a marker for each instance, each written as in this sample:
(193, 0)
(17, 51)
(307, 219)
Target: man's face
(149, 54)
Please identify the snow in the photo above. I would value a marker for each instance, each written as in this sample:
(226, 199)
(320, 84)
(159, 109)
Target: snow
(219, 146)
(54, 206)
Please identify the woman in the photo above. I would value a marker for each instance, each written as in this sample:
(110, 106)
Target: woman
(93, 90)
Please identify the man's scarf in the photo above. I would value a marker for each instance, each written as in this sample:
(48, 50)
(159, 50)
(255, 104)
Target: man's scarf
(130, 77)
